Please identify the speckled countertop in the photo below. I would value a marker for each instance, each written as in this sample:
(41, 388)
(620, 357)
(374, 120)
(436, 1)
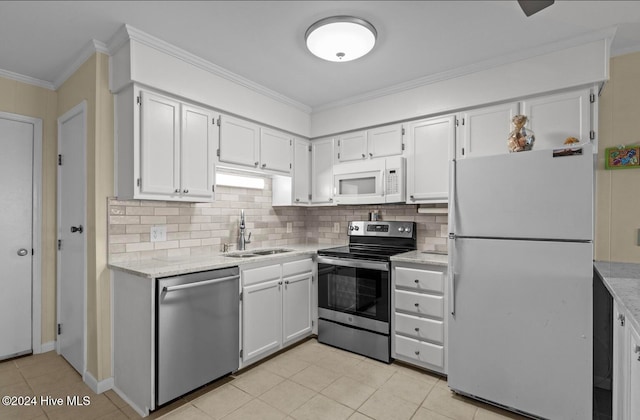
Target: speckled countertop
(623, 282)
(174, 266)
(422, 257)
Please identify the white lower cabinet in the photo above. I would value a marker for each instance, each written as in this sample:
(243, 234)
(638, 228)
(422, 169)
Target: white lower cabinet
(418, 322)
(276, 307)
(626, 367)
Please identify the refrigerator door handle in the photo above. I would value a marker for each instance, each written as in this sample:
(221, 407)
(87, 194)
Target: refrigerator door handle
(452, 292)
(451, 276)
(452, 195)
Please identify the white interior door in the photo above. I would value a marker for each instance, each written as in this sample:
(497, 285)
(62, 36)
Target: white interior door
(72, 232)
(16, 192)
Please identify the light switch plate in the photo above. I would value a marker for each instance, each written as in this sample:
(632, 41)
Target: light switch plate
(289, 227)
(158, 233)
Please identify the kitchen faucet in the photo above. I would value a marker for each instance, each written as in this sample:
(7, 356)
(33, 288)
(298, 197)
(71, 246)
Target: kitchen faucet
(242, 243)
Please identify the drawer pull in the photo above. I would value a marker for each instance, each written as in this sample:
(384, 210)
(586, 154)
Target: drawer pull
(417, 329)
(417, 352)
(417, 281)
(637, 349)
(416, 304)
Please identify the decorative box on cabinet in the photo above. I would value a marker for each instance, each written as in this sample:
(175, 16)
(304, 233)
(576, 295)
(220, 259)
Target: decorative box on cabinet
(418, 318)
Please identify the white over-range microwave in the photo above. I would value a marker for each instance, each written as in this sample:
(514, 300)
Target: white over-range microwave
(373, 181)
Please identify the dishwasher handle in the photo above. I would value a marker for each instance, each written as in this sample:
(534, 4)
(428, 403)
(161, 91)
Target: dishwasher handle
(198, 284)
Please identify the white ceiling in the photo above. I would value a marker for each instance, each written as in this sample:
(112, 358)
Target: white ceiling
(263, 41)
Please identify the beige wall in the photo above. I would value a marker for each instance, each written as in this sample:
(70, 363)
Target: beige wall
(617, 191)
(90, 83)
(23, 99)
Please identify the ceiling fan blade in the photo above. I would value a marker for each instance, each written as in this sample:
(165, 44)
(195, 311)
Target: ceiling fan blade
(530, 7)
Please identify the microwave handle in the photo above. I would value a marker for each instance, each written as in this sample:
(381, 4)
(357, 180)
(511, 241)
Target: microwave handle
(382, 187)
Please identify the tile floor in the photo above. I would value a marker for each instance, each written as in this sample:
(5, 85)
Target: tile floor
(309, 381)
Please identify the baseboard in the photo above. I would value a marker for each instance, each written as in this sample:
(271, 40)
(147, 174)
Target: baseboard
(45, 347)
(97, 387)
(126, 399)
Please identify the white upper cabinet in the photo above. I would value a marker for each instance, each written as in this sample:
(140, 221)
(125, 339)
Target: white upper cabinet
(176, 150)
(275, 151)
(352, 146)
(385, 141)
(485, 131)
(239, 142)
(370, 144)
(553, 118)
(430, 149)
(301, 171)
(322, 171)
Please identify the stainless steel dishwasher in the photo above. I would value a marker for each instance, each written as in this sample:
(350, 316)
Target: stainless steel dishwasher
(197, 330)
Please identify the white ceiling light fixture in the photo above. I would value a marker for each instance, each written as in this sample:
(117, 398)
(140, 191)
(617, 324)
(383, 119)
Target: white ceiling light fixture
(340, 38)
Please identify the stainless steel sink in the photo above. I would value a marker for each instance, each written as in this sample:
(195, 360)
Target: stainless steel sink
(243, 255)
(271, 251)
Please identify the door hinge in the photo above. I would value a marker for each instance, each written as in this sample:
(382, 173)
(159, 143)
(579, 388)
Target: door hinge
(213, 188)
(138, 101)
(592, 98)
(592, 135)
(338, 143)
(463, 151)
(309, 147)
(59, 244)
(312, 323)
(338, 155)
(59, 160)
(59, 329)
(290, 166)
(240, 296)
(218, 152)
(309, 197)
(241, 352)
(402, 146)
(290, 142)
(403, 131)
(219, 121)
(138, 182)
(213, 121)
(457, 122)
(463, 121)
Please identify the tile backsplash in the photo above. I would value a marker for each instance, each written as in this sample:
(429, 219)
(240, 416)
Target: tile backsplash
(202, 228)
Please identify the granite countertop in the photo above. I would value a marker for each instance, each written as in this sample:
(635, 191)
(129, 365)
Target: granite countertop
(174, 266)
(623, 282)
(422, 257)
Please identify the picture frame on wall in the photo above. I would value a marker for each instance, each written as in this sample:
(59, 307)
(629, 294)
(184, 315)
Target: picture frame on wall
(627, 157)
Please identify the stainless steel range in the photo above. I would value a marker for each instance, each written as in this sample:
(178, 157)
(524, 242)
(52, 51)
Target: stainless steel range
(354, 286)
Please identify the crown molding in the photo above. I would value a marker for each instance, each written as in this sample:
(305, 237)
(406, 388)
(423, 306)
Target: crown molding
(26, 79)
(90, 48)
(128, 32)
(605, 34)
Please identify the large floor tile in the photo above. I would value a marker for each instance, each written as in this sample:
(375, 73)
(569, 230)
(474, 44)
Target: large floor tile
(186, 412)
(222, 401)
(385, 406)
(257, 381)
(11, 376)
(287, 396)
(449, 404)
(256, 410)
(349, 392)
(311, 351)
(409, 388)
(322, 408)
(338, 361)
(372, 373)
(315, 378)
(285, 365)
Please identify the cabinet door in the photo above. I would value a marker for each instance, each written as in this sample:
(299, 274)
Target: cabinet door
(485, 131)
(296, 307)
(301, 171)
(196, 153)
(238, 142)
(633, 394)
(619, 364)
(322, 171)
(159, 144)
(275, 151)
(261, 318)
(431, 143)
(385, 141)
(352, 146)
(553, 118)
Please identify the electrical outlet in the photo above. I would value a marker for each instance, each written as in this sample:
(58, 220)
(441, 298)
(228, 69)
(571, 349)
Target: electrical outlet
(336, 227)
(289, 227)
(158, 233)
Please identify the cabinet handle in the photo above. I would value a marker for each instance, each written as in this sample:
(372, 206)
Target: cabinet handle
(264, 165)
(256, 163)
(177, 191)
(412, 198)
(280, 283)
(331, 199)
(297, 199)
(286, 282)
(363, 156)
(637, 349)
(185, 191)
(416, 304)
(417, 281)
(417, 329)
(417, 352)
(370, 154)
(621, 319)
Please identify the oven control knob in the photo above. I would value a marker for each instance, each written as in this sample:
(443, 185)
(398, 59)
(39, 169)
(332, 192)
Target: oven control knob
(356, 227)
(400, 229)
(407, 229)
(350, 227)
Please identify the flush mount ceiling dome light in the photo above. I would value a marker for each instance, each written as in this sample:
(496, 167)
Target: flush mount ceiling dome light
(340, 38)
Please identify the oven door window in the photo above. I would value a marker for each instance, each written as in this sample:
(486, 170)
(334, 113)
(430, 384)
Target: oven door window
(357, 291)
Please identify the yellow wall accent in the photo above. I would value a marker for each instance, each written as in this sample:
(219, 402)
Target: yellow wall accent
(617, 198)
(24, 99)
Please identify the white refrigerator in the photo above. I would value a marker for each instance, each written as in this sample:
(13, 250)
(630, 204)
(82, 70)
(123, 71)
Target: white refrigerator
(520, 282)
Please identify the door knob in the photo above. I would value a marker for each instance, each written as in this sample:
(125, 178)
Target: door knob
(22, 252)
(78, 229)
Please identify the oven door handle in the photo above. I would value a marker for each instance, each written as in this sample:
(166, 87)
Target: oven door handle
(371, 265)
